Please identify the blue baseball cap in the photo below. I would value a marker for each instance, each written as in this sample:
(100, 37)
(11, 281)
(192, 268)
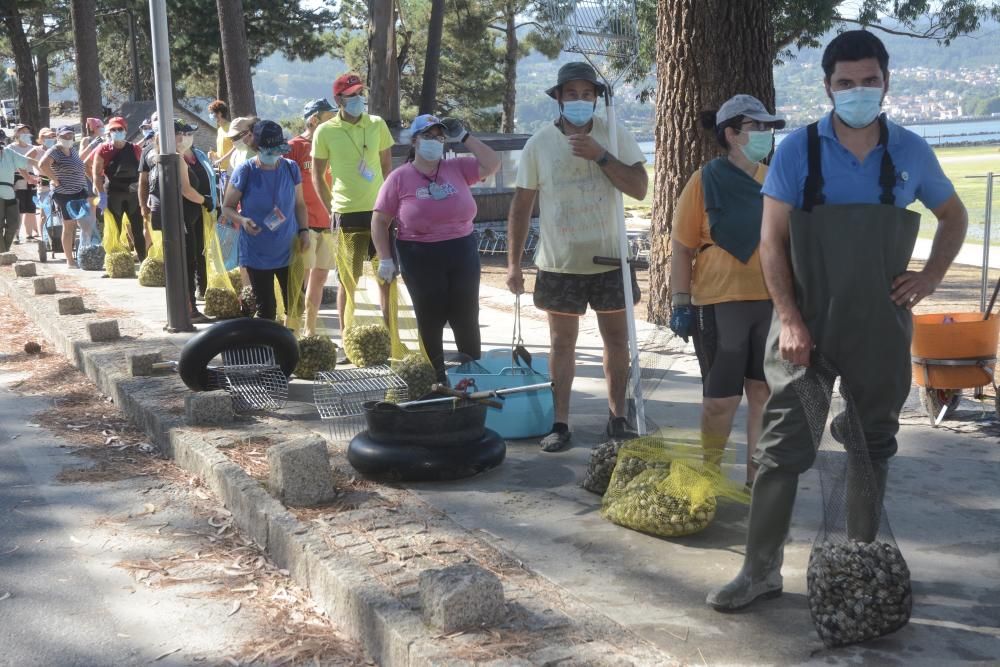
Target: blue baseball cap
(66, 129)
(268, 136)
(425, 122)
(316, 106)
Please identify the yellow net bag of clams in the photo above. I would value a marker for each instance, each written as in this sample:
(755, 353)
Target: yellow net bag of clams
(662, 486)
(221, 300)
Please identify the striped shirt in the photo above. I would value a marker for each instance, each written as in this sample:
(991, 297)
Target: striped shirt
(68, 169)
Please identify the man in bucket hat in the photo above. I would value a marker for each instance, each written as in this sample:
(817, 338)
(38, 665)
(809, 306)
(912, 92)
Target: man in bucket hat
(567, 165)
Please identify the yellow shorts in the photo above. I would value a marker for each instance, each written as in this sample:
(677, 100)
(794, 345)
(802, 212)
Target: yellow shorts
(322, 251)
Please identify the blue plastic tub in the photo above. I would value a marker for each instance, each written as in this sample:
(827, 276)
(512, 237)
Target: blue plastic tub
(524, 415)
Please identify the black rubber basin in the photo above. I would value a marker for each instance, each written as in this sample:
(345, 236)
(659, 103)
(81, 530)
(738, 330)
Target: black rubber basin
(432, 425)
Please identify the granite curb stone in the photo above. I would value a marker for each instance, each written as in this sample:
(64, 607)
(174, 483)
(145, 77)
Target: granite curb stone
(300, 473)
(25, 270)
(103, 331)
(208, 408)
(44, 285)
(70, 305)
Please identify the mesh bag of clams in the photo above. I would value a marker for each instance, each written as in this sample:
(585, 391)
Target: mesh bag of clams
(660, 485)
(221, 300)
(858, 583)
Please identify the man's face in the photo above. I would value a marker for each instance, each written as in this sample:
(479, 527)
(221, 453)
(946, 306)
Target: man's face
(849, 74)
(577, 89)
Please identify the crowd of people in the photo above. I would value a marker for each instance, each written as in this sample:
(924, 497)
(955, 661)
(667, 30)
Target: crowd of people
(758, 278)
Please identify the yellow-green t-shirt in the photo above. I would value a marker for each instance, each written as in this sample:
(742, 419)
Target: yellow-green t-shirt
(577, 217)
(718, 276)
(351, 149)
(223, 144)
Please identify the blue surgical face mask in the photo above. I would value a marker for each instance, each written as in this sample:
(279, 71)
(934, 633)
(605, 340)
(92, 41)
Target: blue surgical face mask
(354, 106)
(118, 135)
(858, 107)
(48, 143)
(759, 145)
(24, 138)
(269, 158)
(430, 149)
(578, 112)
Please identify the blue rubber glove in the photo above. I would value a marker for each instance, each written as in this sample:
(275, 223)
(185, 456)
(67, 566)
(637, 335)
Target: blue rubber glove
(682, 321)
(103, 201)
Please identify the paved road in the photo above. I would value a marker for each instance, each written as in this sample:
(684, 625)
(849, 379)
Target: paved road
(62, 600)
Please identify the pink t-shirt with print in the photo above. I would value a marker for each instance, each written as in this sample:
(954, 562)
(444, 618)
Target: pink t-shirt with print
(406, 196)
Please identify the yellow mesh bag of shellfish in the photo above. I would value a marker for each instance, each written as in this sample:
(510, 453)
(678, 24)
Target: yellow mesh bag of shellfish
(221, 300)
(116, 237)
(662, 486)
(155, 250)
(358, 278)
(292, 316)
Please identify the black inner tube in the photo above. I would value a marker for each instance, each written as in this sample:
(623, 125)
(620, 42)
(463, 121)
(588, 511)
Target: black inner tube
(405, 462)
(235, 334)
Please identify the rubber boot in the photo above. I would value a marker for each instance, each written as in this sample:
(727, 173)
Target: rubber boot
(864, 499)
(770, 515)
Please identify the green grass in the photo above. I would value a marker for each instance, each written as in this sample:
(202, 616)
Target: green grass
(957, 164)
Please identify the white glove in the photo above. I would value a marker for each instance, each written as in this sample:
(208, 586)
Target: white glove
(386, 270)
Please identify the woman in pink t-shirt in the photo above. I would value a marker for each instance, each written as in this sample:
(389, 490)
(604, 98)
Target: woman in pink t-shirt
(438, 255)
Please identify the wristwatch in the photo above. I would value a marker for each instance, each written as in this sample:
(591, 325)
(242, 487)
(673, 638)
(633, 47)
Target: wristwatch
(465, 136)
(603, 160)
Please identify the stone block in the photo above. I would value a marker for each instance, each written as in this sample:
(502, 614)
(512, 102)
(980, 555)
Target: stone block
(300, 473)
(461, 597)
(7, 258)
(329, 295)
(70, 305)
(141, 365)
(44, 285)
(25, 270)
(103, 331)
(208, 408)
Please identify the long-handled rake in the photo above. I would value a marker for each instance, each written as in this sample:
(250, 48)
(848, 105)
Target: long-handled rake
(608, 31)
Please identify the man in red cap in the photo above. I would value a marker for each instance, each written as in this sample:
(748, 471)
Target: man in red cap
(115, 176)
(356, 147)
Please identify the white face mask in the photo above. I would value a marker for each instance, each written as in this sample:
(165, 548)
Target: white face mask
(66, 143)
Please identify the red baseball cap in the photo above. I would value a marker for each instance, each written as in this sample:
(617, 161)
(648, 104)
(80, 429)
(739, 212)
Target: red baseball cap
(348, 84)
(117, 121)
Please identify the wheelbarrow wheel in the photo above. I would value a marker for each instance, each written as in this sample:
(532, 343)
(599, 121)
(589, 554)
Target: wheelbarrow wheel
(934, 400)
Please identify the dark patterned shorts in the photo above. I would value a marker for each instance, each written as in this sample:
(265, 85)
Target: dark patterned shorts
(570, 293)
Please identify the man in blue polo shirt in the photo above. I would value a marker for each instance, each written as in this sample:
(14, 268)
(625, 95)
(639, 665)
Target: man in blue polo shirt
(835, 244)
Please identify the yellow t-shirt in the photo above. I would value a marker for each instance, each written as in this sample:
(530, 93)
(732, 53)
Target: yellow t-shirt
(718, 276)
(223, 144)
(354, 154)
(577, 217)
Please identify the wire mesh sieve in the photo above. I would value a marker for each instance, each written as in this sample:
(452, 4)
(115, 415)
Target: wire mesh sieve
(253, 377)
(340, 395)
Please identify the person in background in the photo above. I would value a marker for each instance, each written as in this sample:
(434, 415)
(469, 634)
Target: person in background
(93, 135)
(321, 255)
(241, 135)
(26, 181)
(575, 177)
(719, 295)
(64, 168)
(223, 144)
(438, 251)
(204, 180)
(272, 214)
(356, 147)
(116, 182)
(10, 163)
(192, 202)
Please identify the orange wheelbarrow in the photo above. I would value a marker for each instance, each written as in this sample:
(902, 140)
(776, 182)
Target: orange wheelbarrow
(952, 352)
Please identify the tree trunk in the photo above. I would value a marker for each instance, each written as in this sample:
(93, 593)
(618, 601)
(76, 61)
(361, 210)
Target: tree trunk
(383, 75)
(707, 51)
(221, 90)
(27, 93)
(428, 91)
(239, 82)
(88, 72)
(42, 84)
(510, 69)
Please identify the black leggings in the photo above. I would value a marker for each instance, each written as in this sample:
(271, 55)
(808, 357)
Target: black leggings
(127, 203)
(443, 280)
(262, 281)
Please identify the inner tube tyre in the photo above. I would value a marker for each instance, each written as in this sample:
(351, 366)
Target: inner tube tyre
(241, 332)
(403, 462)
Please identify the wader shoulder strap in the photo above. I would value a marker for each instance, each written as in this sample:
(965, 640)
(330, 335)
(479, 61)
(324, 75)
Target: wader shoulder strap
(813, 194)
(887, 173)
